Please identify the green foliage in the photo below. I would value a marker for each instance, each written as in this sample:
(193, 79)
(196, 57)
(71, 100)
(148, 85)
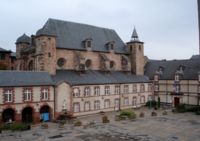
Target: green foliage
(127, 113)
(16, 127)
(153, 103)
(77, 123)
(182, 108)
(105, 119)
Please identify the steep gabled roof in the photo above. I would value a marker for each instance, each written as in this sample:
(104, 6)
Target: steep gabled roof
(24, 78)
(92, 77)
(71, 35)
(190, 72)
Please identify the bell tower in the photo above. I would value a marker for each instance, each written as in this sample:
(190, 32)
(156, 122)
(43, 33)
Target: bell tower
(136, 49)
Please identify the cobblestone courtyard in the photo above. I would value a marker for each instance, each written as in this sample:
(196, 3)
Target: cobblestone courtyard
(171, 127)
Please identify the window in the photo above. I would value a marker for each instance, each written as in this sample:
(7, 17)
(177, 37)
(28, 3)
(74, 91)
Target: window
(61, 62)
(8, 96)
(176, 77)
(156, 77)
(198, 89)
(96, 91)
(134, 102)
(88, 63)
(116, 102)
(112, 64)
(107, 103)
(27, 94)
(126, 101)
(2, 56)
(87, 106)
(76, 92)
(134, 88)
(89, 43)
(76, 107)
(142, 88)
(177, 88)
(117, 89)
(45, 94)
(49, 54)
(107, 90)
(156, 88)
(150, 87)
(142, 99)
(126, 89)
(96, 104)
(87, 91)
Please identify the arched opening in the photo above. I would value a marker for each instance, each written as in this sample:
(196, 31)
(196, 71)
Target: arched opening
(45, 113)
(27, 115)
(8, 115)
(30, 65)
(88, 63)
(112, 64)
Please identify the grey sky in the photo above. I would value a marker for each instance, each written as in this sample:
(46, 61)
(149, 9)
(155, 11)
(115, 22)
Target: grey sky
(169, 28)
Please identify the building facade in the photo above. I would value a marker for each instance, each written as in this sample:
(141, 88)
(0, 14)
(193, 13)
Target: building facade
(90, 68)
(177, 81)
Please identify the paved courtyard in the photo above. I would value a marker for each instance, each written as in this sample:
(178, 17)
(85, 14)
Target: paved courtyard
(171, 127)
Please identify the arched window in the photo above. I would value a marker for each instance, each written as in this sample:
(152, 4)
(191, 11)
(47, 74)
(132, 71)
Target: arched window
(87, 91)
(107, 103)
(142, 88)
(88, 63)
(97, 105)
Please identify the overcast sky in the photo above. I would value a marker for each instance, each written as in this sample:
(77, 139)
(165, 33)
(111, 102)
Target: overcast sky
(169, 28)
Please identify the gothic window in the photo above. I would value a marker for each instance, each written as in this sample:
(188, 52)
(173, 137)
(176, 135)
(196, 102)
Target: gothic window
(107, 90)
(76, 92)
(96, 91)
(107, 103)
(45, 94)
(87, 106)
(97, 105)
(76, 107)
(8, 96)
(117, 89)
(27, 94)
(61, 62)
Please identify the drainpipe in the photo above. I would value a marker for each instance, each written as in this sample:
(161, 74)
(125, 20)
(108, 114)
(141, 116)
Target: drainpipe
(54, 88)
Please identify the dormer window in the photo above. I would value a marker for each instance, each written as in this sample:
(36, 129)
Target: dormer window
(176, 77)
(110, 45)
(156, 77)
(88, 43)
(160, 70)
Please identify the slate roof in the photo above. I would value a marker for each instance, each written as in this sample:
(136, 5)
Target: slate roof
(4, 50)
(91, 77)
(24, 39)
(190, 72)
(24, 78)
(71, 35)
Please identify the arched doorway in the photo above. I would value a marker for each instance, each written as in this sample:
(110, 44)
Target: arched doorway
(27, 115)
(8, 115)
(45, 113)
